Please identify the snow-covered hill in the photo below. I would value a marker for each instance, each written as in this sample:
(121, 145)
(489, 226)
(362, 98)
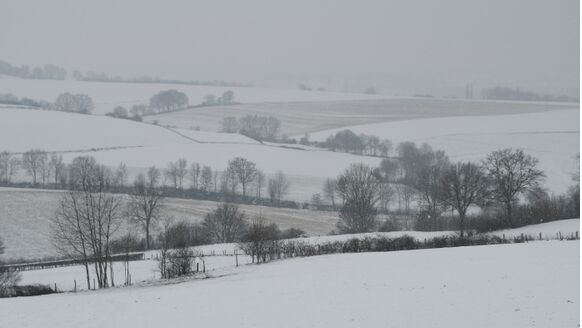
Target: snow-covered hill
(106, 96)
(519, 285)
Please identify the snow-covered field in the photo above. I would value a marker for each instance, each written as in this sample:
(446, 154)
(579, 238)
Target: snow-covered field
(141, 145)
(147, 270)
(25, 229)
(521, 285)
(552, 137)
(299, 118)
(108, 95)
(548, 230)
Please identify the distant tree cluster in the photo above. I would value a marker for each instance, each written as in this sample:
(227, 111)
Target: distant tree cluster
(168, 100)
(10, 99)
(348, 141)
(66, 102)
(102, 77)
(240, 175)
(262, 128)
(506, 93)
(227, 98)
(77, 103)
(46, 72)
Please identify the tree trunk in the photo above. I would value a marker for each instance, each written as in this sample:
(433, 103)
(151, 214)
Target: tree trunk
(147, 237)
(509, 214)
(462, 224)
(87, 273)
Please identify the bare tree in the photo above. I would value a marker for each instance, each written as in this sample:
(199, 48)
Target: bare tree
(260, 181)
(79, 103)
(195, 172)
(57, 166)
(385, 195)
(171, 173)
(512, 172)
(225, 224)
(33, 161)
(329, 191)
(206, 178)
(181, 171)
(260, 239)
(209, 100)
(87, 218)
(245, 171)
(360, 191)
(229, 181)
(8, 276)
(176, 172)
(428, 184)
(278, 186)
(229, 124)
(120, 176)
(169, 100)
(464, 184)
(9, 164)
(146, 201)
(138, 110)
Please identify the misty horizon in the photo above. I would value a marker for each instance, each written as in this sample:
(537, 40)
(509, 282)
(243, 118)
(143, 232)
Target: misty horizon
(398, 47)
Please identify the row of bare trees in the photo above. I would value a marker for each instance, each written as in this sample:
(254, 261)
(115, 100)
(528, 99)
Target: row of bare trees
(240, 175)
(262, 128)
(42, 167)
(496, 184)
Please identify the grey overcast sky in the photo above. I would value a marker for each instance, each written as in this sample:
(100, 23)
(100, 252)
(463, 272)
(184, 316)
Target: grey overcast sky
(400, 44)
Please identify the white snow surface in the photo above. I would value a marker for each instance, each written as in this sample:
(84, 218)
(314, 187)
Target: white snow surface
(552, 137)
(548, 230)
(140, 145)
(520, 285)
(107, 96)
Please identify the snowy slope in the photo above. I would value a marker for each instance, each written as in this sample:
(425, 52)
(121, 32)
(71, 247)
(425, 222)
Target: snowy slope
(548, 230)
(108, 95)
(59, 131)
(142, 145)
(552, 137)
(486, 286)
(303, 117)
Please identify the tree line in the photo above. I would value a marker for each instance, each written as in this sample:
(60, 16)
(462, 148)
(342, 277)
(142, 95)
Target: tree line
(88, 217)
(54, 72)
(45, 72)
(162, 102)
(261, 128)
(505, 188)
(241, 177)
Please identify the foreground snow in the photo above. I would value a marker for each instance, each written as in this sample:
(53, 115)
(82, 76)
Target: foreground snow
(219, 257)
(521, 285)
